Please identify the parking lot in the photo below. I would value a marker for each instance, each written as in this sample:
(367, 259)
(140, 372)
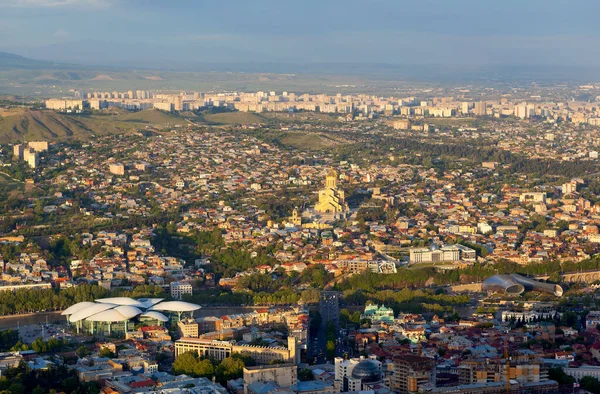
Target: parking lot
(31, 332)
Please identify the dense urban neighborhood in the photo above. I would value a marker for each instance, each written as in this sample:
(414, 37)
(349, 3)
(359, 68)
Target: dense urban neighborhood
(272, 242)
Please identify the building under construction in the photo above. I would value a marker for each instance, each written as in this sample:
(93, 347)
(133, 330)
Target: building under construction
(410, 372)
(489, 371)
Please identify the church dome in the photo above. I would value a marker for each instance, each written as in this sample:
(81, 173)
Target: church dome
(367, 371)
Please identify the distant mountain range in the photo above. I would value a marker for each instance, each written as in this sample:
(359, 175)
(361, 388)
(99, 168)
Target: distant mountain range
(421, 73)
(10, 60)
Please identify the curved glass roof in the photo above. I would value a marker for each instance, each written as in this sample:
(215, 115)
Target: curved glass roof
(367, 371)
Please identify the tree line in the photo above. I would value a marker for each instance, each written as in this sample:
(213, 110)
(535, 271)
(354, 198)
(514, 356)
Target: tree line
(229, 368)
(23, 301)
(518, 163)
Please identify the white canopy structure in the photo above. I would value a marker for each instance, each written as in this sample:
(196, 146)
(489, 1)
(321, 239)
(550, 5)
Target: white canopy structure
(123, 309)
(155, 315)
(144, 303)
(77, 307)
(175, 306)
(89, 311)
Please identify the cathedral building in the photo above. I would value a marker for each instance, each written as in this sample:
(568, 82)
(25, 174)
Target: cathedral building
(331, 199)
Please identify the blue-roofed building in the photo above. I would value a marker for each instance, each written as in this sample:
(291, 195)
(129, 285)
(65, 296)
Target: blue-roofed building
(313, 387)
(261, 387)
(484, 351)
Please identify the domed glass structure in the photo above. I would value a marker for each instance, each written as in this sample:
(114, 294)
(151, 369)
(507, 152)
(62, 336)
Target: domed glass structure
(367, 371)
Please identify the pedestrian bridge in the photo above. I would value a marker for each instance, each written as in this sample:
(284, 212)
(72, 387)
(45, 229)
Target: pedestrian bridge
(574, 277)
(578, 277)
(581, 277)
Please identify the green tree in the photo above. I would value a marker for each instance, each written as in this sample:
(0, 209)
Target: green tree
(82, 351)
(305, 375)
(230, 368)
(106, 352)
(330, 350)
(204, 368)
(590, 384)
(557, 374)
(185, 364)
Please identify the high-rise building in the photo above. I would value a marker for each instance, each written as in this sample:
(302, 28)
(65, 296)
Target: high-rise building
(464, 107)
(522, 111)
(522, 370)
(31, 157)
(283, 375)
(410, 372)
(357, 374)
(188, 328)
(480, 108)
(179, 289)
(63, 104)
(38, 146)
(401, 124)
(178, 103)
(116, 169)
(18, 151)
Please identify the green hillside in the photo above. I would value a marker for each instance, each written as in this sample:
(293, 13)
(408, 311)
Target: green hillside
(26, 124)
(149, 116)
(234, 118)
(309, 141)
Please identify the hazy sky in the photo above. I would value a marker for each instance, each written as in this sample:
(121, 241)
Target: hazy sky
(552, 32)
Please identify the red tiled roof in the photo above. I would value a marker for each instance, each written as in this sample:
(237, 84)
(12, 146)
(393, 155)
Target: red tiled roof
(152, 328)
(142, 383)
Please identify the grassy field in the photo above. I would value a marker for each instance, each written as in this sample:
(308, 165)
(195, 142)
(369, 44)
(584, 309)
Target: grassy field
(311, 141)
(451, 122)
(8, 185)
(150, 116)
(234, 118)
(27, 125)
(302, 117)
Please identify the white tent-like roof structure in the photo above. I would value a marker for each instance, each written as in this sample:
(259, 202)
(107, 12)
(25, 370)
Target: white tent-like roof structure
(156, 315)
(128, 311)
(118, 309)
(121, 301)
(85, 313)
(148, 302)
(108, 316)
(76, 308)
(175, 306)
